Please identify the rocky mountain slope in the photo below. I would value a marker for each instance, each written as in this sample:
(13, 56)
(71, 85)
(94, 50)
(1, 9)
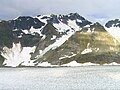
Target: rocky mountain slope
(57, 40)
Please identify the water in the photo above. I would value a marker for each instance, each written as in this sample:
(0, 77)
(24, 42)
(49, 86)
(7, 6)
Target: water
(63, 78)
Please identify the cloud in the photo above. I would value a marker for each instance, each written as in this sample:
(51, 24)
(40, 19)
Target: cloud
(88, 8)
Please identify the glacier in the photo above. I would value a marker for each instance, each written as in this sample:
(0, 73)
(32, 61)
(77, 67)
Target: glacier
(17, 55)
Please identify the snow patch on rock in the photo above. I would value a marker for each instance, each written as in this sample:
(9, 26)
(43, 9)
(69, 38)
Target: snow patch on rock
(113, 63)
(72, 24)
(89, 50)
(74, 63)
(33, 31)
(114, 31)
(67, 56)
(53, 37)
(61, 27)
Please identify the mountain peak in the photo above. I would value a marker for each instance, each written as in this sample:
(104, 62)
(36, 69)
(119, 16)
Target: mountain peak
(113, 23)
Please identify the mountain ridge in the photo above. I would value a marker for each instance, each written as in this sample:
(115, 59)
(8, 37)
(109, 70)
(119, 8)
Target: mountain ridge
(56, 39)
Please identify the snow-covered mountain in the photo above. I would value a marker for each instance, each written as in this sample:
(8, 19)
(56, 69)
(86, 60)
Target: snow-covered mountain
(55, 40)
(113, 26)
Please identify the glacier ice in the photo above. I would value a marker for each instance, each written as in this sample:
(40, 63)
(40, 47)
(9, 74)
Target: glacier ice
(17, 55)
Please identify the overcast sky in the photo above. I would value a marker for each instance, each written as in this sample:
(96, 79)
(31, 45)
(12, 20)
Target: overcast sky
(90, 9)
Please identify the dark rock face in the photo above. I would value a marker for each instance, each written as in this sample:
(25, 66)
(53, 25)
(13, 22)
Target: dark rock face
(53, 19)
(113, 23)
(6, 35)
(49, 30)
(26, 22)
(84, 23)
(63, 18)
(29, 40)
(75, 16)
(1, 59)
(45, 17)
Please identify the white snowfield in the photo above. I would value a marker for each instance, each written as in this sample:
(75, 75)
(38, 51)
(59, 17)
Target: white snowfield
(114, 31)
(113, 63)
(61, 27)
(72, 24)
(88, 50)
(74, 63)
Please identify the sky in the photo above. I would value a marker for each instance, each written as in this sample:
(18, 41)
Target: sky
(96, 10)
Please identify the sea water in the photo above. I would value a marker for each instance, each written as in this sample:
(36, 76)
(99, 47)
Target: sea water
(61, 78)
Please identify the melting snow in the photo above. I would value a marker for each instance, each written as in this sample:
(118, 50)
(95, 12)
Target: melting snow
(20, 36)
(61, 27)
(87, 26)
(44, 64)
(54, 37)
(89, 64)
(71, 64)
(113, 63)
(33, 30)
(26, 31)
(89, 30)
(79, 21)
(66, 56)
(115, 31)
(43, 37)
(72, 24)
(88, 50)
(15, 30)
(74, 63)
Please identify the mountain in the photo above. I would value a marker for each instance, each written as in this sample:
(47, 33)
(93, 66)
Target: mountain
(56, 40)
(113, 26)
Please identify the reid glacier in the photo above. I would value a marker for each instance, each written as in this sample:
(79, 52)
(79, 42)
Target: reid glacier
(17, 55)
